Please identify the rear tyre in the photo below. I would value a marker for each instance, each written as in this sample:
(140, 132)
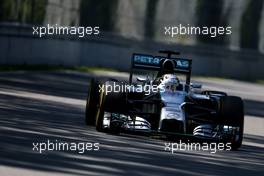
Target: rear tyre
(232, 114)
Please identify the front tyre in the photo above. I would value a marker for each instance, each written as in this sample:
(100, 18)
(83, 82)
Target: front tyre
(111, 102)
(232, 114)
(92, 102)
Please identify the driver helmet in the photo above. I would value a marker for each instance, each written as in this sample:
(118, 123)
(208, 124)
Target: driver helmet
(170, 82)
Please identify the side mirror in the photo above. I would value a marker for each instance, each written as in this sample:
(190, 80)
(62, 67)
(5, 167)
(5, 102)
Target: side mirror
(196, 85)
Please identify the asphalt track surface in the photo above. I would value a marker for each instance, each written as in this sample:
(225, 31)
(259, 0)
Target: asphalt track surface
(40, 106)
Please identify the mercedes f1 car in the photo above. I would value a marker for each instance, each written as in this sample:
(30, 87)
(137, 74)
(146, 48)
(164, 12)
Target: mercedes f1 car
(163, 102)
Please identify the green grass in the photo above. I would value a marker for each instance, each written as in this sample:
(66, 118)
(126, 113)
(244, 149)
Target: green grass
(92, 69)
(225, 78)
(25, 67)
(28, 67)
(4, 68)
(210, 77)
(260, 81)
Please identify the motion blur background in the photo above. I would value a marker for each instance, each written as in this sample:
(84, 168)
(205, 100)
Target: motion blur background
(136, 26)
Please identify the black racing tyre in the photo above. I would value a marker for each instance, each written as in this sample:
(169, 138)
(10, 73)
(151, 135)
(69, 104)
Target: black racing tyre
(100, 113)
(115, 101)
(109, 102)
(92, 102)
(232, 114)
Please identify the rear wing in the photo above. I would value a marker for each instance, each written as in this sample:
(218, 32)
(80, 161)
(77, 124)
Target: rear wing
(149, 62)
(142, 61)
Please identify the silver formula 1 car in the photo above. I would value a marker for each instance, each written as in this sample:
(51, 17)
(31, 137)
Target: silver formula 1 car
(162, 103)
